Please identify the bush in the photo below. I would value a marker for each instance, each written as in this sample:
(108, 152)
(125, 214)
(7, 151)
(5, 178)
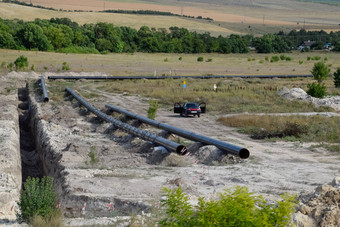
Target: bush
(300, 62)
(234, 208)
(283, 57)
(266, 58)
(288, 59)
(10, 66)
(308, 58)
(274, 58)
(166, 59)
(21, 62)
(180, 58)
(153, 106)
(337, 78)
(200, 59)
(65, 66)
(261, 61)
(316, 58)
(37, 199)
(209, 60)
(316, 90)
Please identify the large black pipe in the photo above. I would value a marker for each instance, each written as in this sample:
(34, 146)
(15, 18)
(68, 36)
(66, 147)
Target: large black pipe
(170, 145)
(229, 148)
(43, 86)
(172, 77)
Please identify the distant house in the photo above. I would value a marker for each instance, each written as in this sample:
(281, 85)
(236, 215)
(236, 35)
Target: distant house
(306, 44)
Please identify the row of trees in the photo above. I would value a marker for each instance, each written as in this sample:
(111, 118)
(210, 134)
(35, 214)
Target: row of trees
(64, 35)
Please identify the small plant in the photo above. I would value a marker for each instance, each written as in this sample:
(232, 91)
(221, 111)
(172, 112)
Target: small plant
(316, 90)
(21, 62)
(325, 59)
(200, 59)
(153, 107)
(32, 68)
(308, 58)
(266, 58)
(337, 78)
(316, 58)
(65, 66)
(237, 207)
(261, 61)
(180, 58)
(283, 57)
(37, 199)
(10, 66)
(288, 58)
(249, 59)
(300, 62)
(274, 58)
(92, 156)
(209, 60)
(3, 64)
(166, 59)
(45, 68)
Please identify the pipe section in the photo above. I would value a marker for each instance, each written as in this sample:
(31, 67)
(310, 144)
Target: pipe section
(172, 77)
(170, 145)
(43, 86)
(229, 148)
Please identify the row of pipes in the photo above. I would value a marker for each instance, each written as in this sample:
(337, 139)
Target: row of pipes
(170, 145)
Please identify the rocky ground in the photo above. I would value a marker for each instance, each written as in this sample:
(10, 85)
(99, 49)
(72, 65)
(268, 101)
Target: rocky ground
(107, 172)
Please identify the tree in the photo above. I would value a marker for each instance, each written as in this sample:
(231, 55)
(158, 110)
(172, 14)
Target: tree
(33, 37)
(320, 71)
(337, 78)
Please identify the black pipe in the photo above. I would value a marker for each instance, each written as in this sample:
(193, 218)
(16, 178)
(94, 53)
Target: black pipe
(170, 77)
(229, 148)
(43, 86)
(170, 145)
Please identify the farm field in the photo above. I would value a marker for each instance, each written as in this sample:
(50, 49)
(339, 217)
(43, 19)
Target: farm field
(255, 19)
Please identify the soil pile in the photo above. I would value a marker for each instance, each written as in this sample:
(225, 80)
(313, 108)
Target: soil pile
(320, 208)
(299, 94)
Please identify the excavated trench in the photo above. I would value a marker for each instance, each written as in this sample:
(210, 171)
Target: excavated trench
(30, 160)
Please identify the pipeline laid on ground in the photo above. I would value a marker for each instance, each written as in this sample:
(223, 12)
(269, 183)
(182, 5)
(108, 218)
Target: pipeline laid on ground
(172, 77)
(43, 86)
(228, 148)
(170, 145)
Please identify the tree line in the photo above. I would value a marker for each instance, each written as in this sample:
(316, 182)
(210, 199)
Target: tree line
(64, 35)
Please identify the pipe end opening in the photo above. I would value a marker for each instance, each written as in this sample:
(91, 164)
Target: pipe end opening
(244, 153)
(182, 150)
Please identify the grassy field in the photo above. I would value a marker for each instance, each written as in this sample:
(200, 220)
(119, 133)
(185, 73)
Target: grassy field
(169, 64)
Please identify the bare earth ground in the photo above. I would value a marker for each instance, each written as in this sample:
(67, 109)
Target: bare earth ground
(129, 169)
(126, 169)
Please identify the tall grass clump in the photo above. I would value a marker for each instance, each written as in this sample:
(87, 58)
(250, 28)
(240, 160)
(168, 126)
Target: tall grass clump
(153, 107)
(236, 207)
(274, 58)
(37, 199)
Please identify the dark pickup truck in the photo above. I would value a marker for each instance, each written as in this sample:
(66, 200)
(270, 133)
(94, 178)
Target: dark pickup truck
(190, 108)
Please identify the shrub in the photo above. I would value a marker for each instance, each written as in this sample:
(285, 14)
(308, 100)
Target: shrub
(3, 64)
(300, 62)
(180, 58)
(153, 106)
(261, 61)
(266, 58)
(320, 71)
(10, 66)
(237, 207)
(65, 66)
(337, 78)
(209, 60)
(166, 59)
(274, 58)
(37, 199)
(308, 58)
(325, 59)
(92, 156)
(249, 59)
(288, 59)
(32, 68)
(316, 90)
(45, 68)
(316, 58)
(200, 59)
(283, 57)
(21, 62)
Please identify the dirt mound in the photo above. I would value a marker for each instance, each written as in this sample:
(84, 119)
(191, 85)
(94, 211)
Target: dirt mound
(299, 94)
(320, 208)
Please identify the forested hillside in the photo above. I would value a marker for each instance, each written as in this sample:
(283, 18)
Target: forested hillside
(64, 35)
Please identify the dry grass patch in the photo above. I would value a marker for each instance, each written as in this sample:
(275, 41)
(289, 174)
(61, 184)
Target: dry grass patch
(303, 128)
